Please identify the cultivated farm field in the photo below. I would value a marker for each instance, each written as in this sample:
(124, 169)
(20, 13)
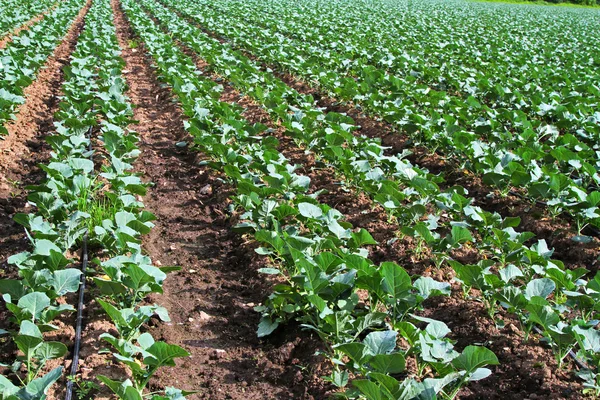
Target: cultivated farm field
(299, 199)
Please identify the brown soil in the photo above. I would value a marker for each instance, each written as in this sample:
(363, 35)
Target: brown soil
(20, 153)
(24, 147)
(8, 38)
(528, 370)
(210, 300)
(535, 218)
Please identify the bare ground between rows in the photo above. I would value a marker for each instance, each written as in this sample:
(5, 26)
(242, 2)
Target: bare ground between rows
(23, 149)
(527, 370)
(357, 208)
(210, 300)
(556, 231)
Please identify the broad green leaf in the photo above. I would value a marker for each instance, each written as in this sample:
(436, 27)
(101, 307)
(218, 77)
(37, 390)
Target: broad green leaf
(308, 210)
(34, 303)
(388, 363)
(474, 357)
(381, 342)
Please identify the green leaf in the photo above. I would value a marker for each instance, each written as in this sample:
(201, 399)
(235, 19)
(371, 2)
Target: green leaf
(369, 389)
(13, 287)
(388, 363)
(479, 374)
(543, 315)
(266, 327)
(540, 287)
(461, 235)
(338, 230)
(164, 354)
(51, 351)
(66, 281)
(510, 272)
(124, 390)
(34, 303)
(38, 388)
(428, 287)
(361, 238)
(474, 357)
(395, 280)
(114, 314)
(109, 288)
(357, 352)
(7, 388)
(43, 247)
(381, 342)
(309, 210)
(338, 378)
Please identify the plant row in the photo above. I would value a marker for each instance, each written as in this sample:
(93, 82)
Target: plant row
(21, 60)
(501, 248)
(90, 193)
(15, 13)
(319, 256)
(515, 124)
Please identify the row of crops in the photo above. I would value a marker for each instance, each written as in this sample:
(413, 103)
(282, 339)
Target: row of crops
(515, 272)
(15, 13)
(87, 204)
(512, 100)
(518, 122)
(542, 144)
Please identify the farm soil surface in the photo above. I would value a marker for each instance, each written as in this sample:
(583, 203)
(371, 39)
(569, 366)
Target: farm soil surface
(21, 151)
(211, 299)
(557, 231)
(528, 369)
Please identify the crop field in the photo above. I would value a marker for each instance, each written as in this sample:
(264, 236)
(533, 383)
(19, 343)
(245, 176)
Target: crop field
(299, 199)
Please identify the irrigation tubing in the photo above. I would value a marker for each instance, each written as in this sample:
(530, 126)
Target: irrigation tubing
(79, 321)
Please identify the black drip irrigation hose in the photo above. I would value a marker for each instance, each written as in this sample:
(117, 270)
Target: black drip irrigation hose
(79, 321)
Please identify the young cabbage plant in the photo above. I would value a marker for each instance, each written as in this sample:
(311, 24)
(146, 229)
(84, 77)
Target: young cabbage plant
(143, 360)
(35, 354)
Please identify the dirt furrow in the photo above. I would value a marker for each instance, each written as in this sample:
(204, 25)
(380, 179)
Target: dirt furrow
(20, 154)
(211, 299)
(24, 147)
(557, 231)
